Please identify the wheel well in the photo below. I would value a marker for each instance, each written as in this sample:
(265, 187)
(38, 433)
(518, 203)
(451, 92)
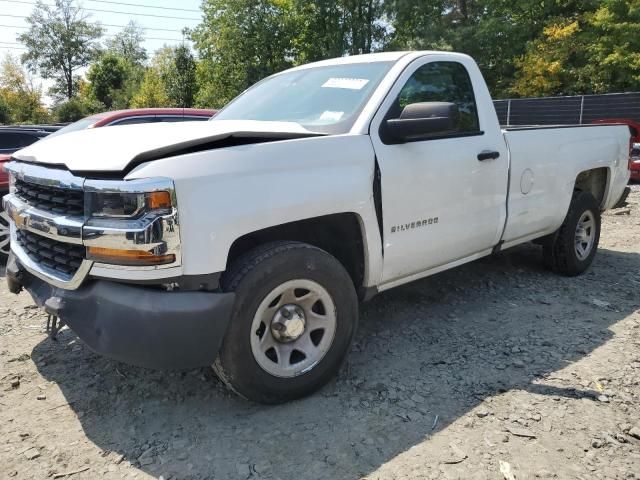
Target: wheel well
(595, 182)
(338, 234)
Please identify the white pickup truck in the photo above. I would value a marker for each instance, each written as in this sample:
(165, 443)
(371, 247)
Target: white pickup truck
(247, 242)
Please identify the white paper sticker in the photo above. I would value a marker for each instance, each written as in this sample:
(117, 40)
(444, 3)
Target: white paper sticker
(329, 116)
(348, 83)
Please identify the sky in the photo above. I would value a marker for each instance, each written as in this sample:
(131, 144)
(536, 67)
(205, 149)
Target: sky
(162, 20)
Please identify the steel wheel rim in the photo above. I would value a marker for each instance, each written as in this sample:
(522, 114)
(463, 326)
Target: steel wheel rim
(274, 348)
(5, 233)
(585, 235)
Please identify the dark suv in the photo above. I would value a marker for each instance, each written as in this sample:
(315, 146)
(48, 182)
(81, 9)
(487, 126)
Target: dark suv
(12, 139)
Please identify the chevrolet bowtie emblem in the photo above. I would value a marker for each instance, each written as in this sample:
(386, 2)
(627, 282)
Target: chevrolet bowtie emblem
(21, 219)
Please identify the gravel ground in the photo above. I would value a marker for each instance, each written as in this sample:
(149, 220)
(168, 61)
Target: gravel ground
(495, 370)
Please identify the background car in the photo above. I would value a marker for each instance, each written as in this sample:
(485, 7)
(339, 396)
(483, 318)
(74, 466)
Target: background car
(634, 164)
(138, 115)
(14, 138)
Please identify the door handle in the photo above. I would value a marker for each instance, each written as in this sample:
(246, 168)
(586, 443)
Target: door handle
(488, 155)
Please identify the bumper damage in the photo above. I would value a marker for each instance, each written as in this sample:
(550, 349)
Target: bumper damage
(133, 324)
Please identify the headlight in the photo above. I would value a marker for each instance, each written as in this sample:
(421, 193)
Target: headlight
(127, 205)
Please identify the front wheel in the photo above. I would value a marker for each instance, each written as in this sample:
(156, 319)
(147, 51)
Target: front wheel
(572, 248)
(293, 321)
(5, 236)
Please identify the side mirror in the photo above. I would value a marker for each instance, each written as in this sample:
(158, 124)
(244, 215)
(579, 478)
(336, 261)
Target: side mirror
(420, 121)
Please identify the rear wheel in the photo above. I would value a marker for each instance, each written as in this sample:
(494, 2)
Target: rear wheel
(571, 249)
(293, 321)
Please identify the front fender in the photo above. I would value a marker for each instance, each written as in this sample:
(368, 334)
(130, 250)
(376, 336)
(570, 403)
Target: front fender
(227, 193)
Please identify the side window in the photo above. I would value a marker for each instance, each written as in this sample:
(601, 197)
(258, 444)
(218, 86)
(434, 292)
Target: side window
(27, 140)
(196, 118)
(171, 118)
(441, 82)
(10, 141)
(193, 118)
(133, 120)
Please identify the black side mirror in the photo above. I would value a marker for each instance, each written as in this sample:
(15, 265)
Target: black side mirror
(420, 121)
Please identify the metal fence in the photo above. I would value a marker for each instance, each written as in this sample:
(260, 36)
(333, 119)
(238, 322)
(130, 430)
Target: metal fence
(575, 110)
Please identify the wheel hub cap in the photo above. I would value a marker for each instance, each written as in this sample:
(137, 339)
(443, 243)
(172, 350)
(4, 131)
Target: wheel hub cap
(4, 233)
(585, 235)
(288, 323)
(293, 328)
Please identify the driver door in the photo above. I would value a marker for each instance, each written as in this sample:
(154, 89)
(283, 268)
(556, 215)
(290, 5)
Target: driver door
(441, 203)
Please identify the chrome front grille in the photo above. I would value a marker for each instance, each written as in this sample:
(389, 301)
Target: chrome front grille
(50, 232)
(59, 256)
(62, 201)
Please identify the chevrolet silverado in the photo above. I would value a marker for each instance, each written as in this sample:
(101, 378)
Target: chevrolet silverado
(247, 242)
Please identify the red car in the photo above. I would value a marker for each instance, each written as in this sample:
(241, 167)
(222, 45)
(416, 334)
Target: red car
(634, 158)
(139, 115)
(4, 221)
(106, 119)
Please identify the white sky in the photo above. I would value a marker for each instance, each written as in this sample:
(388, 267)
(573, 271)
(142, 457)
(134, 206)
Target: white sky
(12, 23)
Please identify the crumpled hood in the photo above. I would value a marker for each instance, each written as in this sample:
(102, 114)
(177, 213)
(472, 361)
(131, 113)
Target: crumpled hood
(117, 148)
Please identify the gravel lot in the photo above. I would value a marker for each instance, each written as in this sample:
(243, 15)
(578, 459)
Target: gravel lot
(498, 369)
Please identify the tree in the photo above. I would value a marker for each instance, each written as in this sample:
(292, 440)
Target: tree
(23, 101)
(595, 50)
(152, 91)
(494, 32)
(107, 79)
(330, 28)
(5, 112)
(180, 77)
(128, 44)
(241, 42)
(71, 110)
(60, 41)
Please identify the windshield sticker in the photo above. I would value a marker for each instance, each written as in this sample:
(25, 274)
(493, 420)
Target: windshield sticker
(348, 83)
(329, 116)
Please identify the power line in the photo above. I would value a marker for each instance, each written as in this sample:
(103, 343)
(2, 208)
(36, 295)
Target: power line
(110, 35)
(104, 24)
(111, 11)
(146, 6)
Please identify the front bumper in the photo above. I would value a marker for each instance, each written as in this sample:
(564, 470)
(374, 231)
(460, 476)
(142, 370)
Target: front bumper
(136, 325)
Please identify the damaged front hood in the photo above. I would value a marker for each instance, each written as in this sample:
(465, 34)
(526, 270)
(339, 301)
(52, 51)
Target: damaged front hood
(120, 148)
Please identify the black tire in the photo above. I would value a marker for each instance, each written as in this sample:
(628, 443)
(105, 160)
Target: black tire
(4, 236)
(560, 252)
(252, 277)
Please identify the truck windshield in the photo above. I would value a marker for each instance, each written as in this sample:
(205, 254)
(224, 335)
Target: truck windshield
(321, 99)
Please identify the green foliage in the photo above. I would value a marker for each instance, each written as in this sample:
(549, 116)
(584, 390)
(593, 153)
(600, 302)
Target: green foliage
(20, 101)
(524, 48)
(596, 50)
(241, 42)
(60, 40)
(128, 44)
(73, 110)
(152, 91)
(180, 78)
(5, 115)
(107, 78)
